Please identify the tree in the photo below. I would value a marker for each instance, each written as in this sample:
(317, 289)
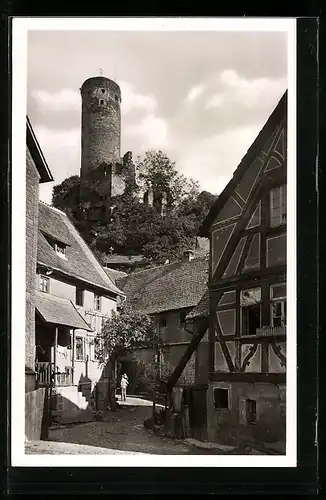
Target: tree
(124, 332)
(156, 170)
(65, 196)
(132, 228)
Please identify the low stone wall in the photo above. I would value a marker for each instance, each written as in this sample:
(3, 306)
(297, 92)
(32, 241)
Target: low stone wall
(35, 417)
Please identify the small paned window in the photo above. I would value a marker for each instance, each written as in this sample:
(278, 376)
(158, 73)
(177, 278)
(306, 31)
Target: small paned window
(44, 284)
(80, 349)
(277, 200)
(97, 302)
(278, 305)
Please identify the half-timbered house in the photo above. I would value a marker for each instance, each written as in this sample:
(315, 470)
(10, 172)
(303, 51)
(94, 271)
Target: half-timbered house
(247, 293)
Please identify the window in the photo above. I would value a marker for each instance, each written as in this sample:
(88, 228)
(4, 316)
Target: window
(278, 305)
(251, 413)
(80, 349)
(250, 319)
(79, 297)
(163, 321)
(96, 348)
(97, 302)
(103, 91)
(277, 200)
(221, 399)
(60, 249)
(250, 311)
(116, 98)
(101, 102)
(182, 317)
(44, 284)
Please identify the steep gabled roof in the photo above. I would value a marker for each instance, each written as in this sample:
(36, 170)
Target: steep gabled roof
(168, 287)
(36, 153)
(251, 154)
(114, 275)
(202, 308)
(80, 263)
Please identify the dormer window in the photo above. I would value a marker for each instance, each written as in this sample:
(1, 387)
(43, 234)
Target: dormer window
(60, 250)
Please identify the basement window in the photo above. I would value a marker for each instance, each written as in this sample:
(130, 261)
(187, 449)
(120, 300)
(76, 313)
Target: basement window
(251, 411)
(221, 399)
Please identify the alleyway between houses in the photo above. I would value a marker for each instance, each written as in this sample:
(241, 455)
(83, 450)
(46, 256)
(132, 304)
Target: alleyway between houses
(122, 430)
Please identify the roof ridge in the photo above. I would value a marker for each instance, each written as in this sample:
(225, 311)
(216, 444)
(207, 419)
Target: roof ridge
(53, 208)
(92, 257)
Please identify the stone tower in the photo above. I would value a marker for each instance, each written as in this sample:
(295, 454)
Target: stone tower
(101, 135)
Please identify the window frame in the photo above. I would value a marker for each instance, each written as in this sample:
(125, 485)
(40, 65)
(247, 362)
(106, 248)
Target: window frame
(222, 408)
(83, 344)
(47, 280)
(280, 216)
(275, 300)
(82, 291)
(246, 306)
(97, 302)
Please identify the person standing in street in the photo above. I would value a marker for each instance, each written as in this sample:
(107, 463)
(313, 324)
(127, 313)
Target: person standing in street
(124, 383)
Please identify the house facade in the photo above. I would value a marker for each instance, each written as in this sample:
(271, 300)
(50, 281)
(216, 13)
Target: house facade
(168, 293)
(246, 396)
(74, 296)
(37, 172)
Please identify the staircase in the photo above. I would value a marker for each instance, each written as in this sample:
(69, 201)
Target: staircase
(69, 405)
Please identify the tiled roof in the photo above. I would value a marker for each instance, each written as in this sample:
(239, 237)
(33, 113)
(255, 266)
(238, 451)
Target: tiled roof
(121, 259)
(80, 262)
(59, 311)
(36, 153)
(202, 308)
(168, 287)
(114, 275)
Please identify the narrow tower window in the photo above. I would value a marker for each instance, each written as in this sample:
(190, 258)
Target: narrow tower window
(101, 102)
(103, 91)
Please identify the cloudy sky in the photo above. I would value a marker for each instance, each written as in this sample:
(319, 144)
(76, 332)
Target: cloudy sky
(201, 97)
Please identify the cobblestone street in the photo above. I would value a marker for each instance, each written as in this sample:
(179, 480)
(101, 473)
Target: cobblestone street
(124, 430)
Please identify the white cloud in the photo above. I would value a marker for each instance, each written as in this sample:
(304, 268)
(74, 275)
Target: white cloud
(131, 99)
(246, 93)
(213, 160)
(152, 132)
(65, 99)
(61, 149)
(195, 92)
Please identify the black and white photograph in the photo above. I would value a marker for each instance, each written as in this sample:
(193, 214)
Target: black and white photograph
(153, 242)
